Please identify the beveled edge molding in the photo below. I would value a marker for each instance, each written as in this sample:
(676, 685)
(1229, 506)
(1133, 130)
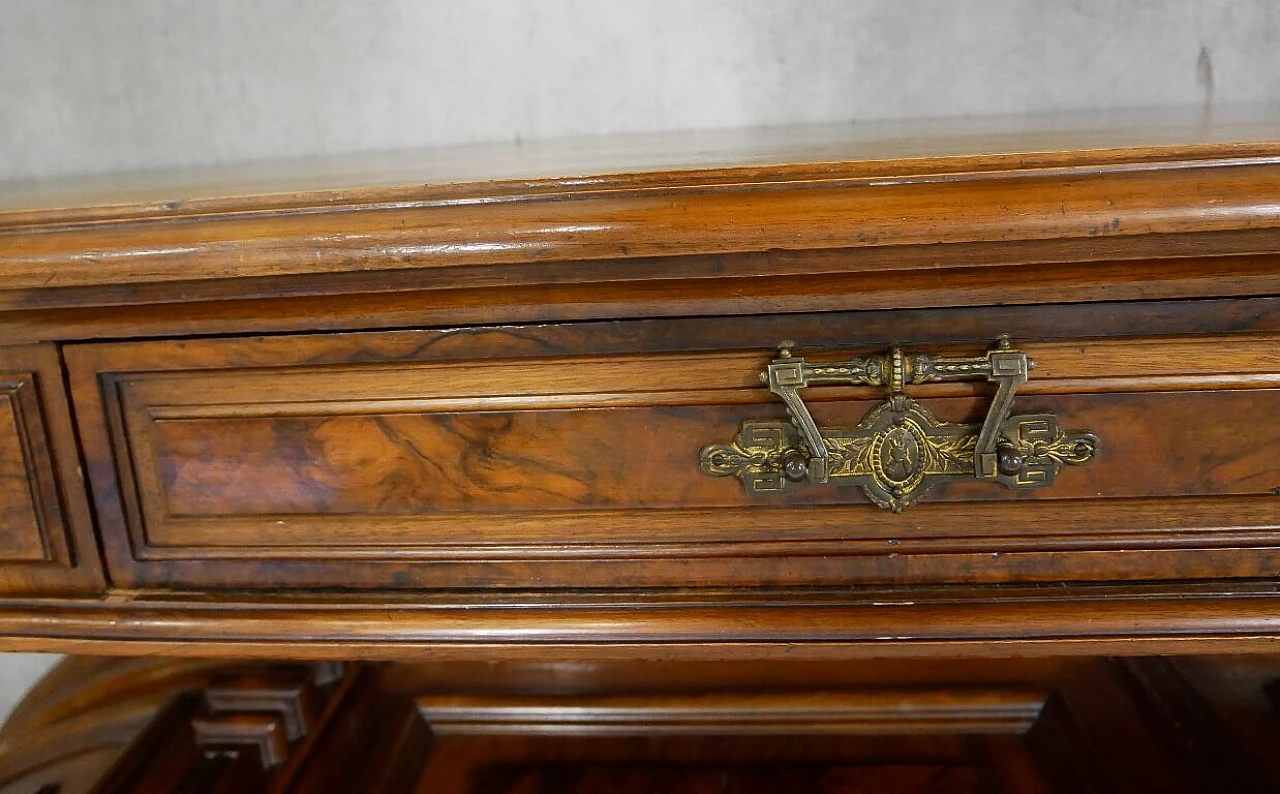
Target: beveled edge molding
(779, 713)
(1111, 621)
(694, 218)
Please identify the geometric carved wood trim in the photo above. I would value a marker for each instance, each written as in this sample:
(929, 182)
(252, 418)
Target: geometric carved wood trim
(262, 732)
(268, 710)
(293, 700)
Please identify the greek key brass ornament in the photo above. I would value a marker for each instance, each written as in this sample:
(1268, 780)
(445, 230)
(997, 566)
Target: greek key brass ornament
(899, 450)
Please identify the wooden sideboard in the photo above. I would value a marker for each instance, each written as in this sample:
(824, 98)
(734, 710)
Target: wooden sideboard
(799, 396)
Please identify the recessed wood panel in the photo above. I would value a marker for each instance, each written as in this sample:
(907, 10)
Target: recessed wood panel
(21, 535)
(46, 541)
(412, 463)
(545, 457)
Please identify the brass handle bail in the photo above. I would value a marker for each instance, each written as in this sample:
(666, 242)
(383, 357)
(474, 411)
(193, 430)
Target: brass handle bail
(899, 450)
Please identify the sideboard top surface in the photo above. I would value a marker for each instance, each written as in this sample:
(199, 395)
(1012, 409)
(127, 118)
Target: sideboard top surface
(681, 157)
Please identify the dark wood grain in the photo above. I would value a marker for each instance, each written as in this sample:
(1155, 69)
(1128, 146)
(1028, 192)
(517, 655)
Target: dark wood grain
(47, 544)
(493, 463)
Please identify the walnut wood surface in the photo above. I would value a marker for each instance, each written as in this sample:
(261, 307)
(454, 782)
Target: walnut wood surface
(1108, 273)
(456, 409)
(815, 225)
(573, 626)
(823, 214)
(498, 460)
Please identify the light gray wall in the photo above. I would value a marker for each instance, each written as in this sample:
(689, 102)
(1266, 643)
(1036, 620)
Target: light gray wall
(87, 85)
(91, 85)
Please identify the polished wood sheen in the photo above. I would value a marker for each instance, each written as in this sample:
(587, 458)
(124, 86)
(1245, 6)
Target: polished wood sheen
(454, 406)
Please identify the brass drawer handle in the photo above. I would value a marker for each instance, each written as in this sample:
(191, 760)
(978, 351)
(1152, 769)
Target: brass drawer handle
(899, 450)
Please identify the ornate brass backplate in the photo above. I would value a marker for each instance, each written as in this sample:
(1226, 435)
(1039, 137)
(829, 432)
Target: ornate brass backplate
(899, 450)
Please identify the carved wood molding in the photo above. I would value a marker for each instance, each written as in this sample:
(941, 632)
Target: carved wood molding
(879, 712)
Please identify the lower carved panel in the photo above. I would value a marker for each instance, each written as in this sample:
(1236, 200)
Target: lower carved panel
(1051, 726)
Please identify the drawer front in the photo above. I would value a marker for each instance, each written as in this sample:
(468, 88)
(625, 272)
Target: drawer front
(568, 456)
(46, 541)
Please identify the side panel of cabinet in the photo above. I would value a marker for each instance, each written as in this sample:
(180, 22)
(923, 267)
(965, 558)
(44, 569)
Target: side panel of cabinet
(46, 535)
